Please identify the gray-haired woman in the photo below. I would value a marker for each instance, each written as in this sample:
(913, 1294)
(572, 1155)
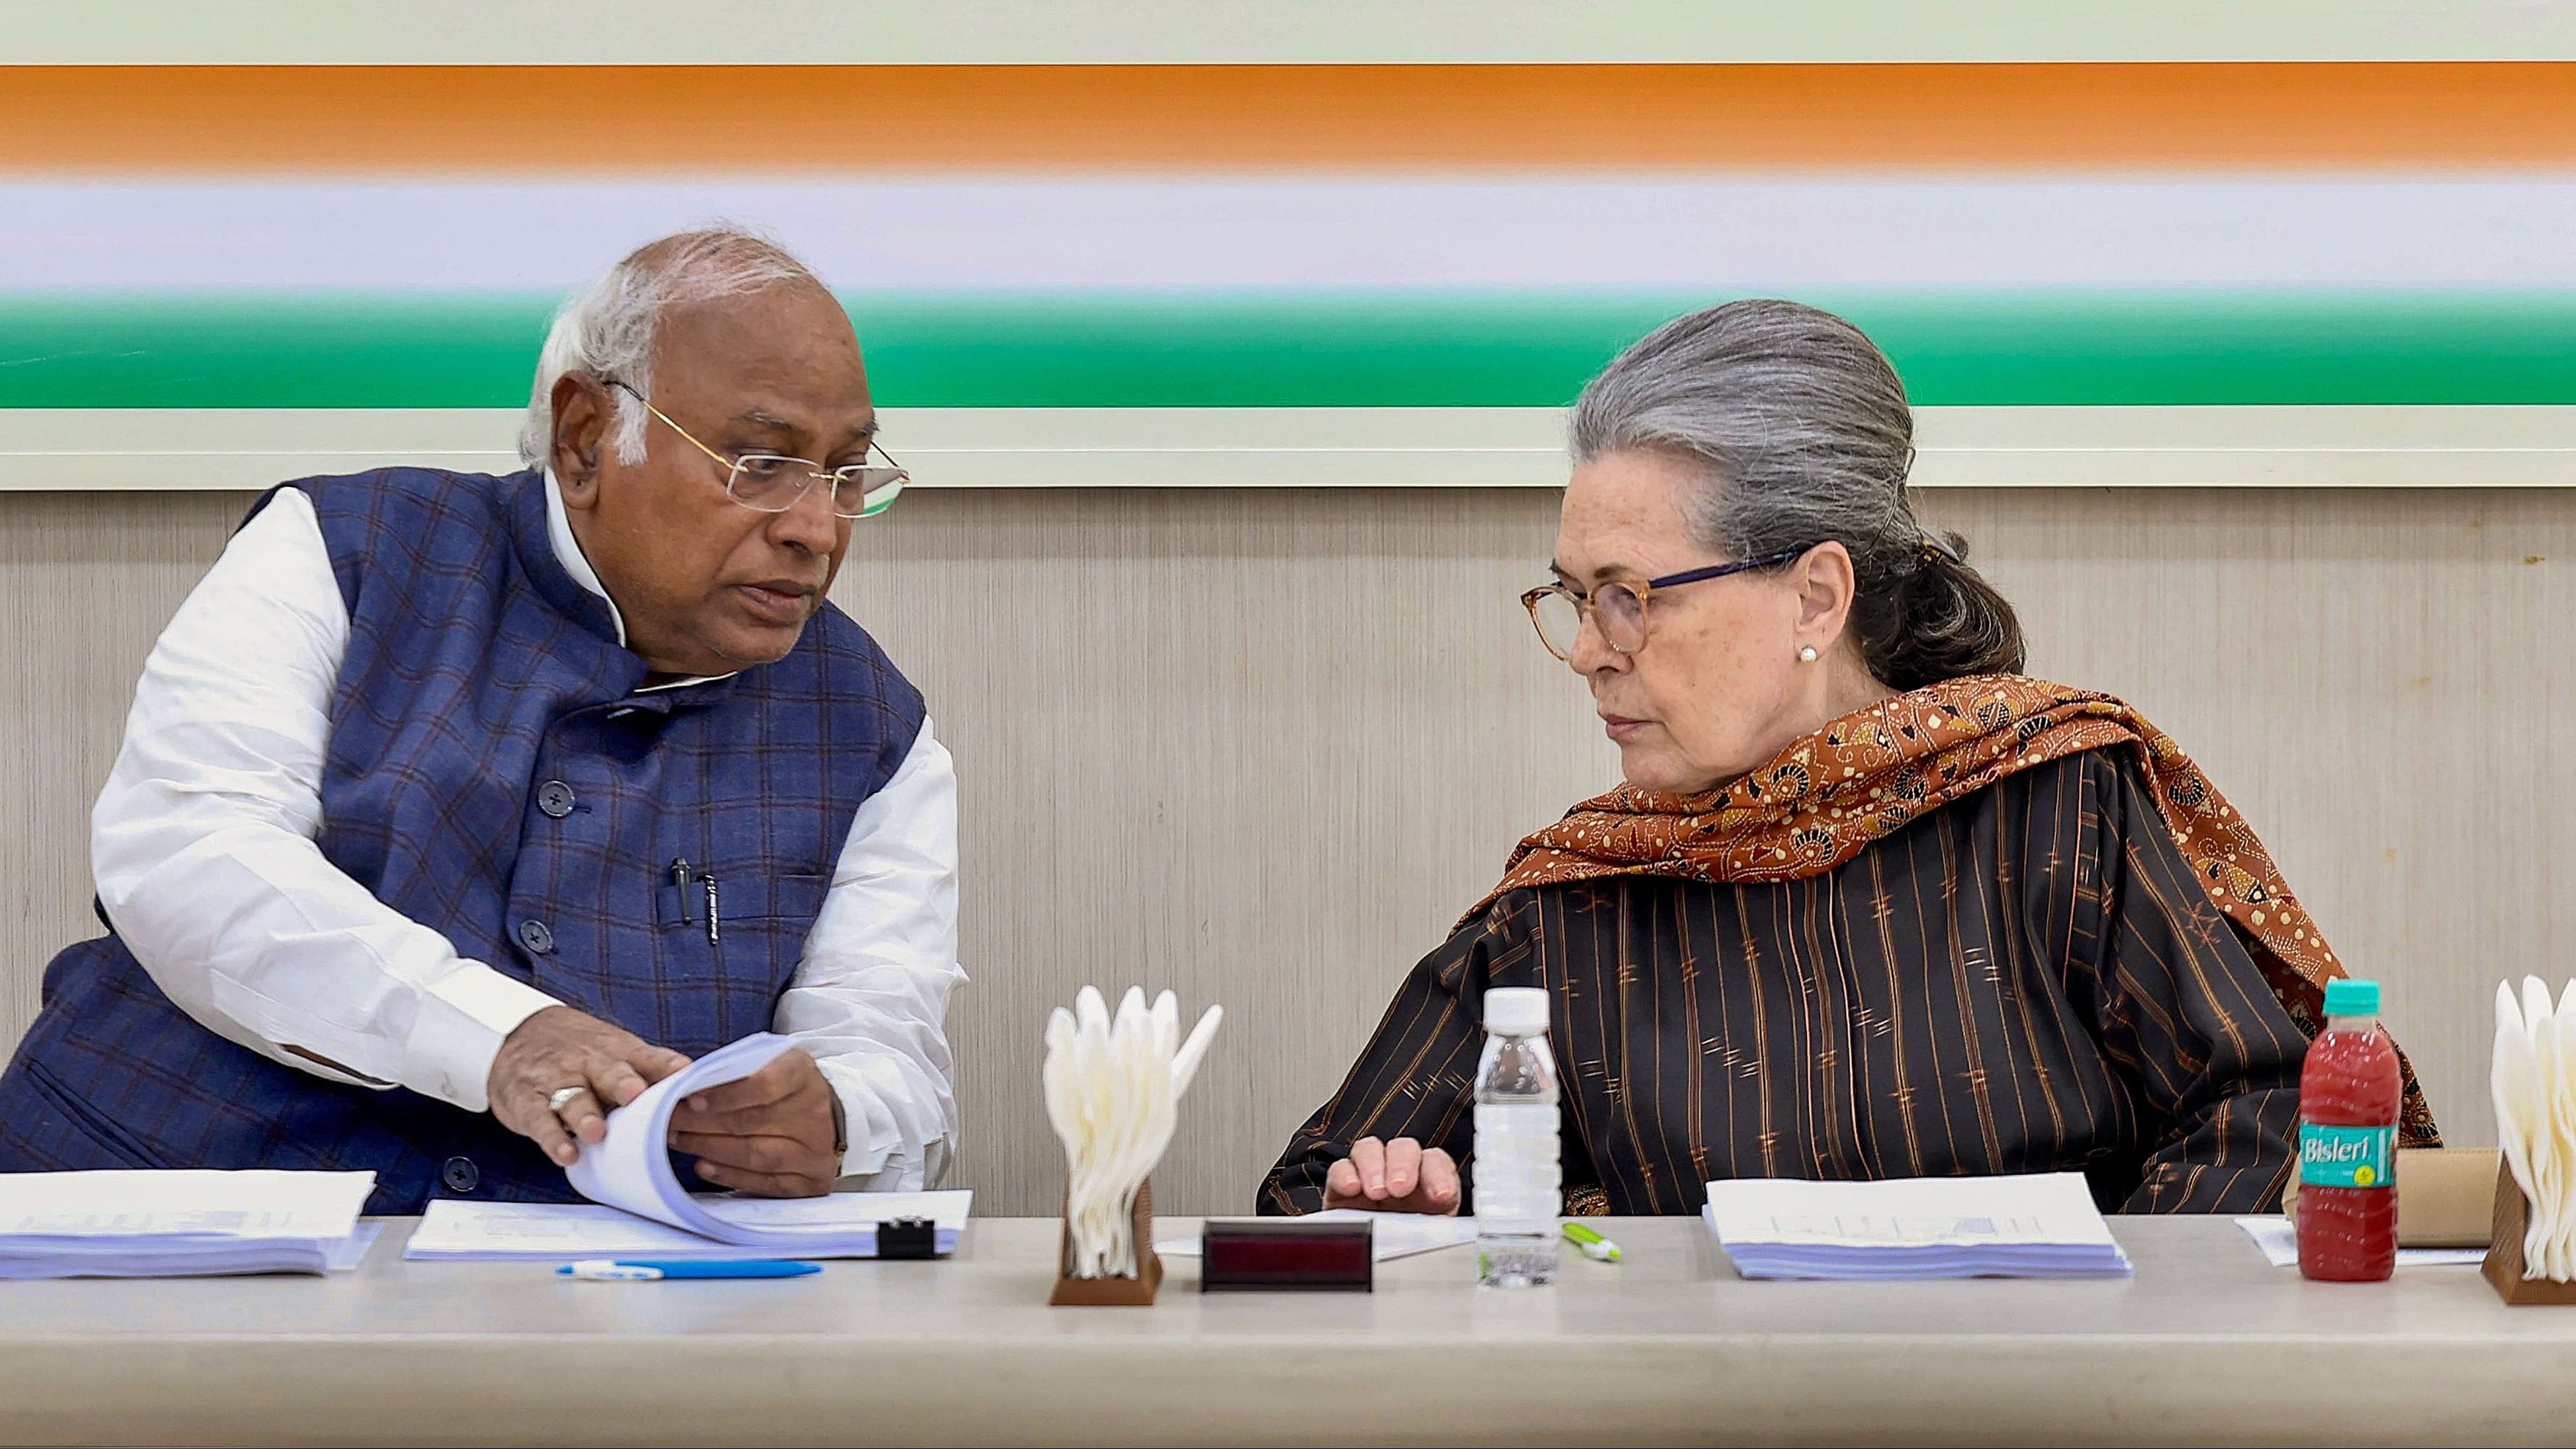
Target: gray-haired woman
(1870, 903)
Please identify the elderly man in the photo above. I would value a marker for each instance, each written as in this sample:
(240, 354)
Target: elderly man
(454, 810)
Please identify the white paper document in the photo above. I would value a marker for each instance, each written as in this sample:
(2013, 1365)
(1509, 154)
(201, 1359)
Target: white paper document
(2041, 1225)
(342, 1255)
(1397, 1235)
(2279, 1240)
(648, 1211)
(136, 1224)
(455, 1229)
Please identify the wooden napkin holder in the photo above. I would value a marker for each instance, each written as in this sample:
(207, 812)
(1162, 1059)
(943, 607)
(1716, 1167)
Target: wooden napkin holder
(1136, 1291)
(2503, 1266)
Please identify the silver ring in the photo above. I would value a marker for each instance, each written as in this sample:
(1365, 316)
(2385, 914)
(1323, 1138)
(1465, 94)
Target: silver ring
(563, 1098)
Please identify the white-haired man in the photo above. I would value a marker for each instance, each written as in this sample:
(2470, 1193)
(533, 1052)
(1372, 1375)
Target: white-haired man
(453, 809)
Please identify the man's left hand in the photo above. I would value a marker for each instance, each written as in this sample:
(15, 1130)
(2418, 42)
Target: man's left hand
(769, 1134)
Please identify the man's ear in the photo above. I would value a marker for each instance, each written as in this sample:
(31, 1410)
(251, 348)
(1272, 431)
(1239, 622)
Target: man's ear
(1826, 583)
(582, 415)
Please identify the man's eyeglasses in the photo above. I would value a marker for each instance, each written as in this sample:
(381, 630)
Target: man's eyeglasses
(773, 484)
(1620, 608)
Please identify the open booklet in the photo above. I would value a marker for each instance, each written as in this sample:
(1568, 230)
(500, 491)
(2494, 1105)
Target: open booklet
(631, 1172)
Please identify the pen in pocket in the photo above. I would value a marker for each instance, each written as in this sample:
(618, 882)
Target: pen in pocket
(714, 914)
(680, 882)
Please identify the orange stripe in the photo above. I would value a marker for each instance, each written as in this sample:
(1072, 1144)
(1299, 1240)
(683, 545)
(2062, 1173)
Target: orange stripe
(787, 119)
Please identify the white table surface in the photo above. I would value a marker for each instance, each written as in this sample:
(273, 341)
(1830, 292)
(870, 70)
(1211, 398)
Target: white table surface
(2207, 1344)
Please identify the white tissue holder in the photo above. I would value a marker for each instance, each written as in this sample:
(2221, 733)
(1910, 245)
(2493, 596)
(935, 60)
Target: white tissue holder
(1134, 1289)
(2504, 1264)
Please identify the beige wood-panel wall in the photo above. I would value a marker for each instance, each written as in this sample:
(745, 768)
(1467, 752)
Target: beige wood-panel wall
(1261, 747)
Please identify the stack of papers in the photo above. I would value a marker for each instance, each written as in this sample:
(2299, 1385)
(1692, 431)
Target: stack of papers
(647, 1213)
(470, 1231)
(181, 1224)
(2042, 1226)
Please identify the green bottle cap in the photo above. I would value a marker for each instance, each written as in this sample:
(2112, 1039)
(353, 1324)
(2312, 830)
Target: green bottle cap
(2352, 998)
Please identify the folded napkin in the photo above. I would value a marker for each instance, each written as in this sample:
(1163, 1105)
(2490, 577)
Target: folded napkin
(2533, 1081)
(1112, 1086)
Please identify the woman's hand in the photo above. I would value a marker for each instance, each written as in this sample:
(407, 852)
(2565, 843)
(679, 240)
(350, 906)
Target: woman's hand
(1394, 1177)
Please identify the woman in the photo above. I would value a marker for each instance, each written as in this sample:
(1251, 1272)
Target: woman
(1869, 903)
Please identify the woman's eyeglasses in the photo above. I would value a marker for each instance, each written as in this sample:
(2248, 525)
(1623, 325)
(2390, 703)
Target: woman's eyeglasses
(1620, 608)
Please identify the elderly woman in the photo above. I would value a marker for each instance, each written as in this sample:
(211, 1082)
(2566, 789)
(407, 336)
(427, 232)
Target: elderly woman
(1869, 903)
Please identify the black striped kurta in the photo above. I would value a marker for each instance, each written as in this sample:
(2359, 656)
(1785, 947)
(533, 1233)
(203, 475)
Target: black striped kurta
(2027, 980)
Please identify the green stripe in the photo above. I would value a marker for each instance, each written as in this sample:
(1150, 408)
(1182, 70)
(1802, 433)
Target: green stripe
(1404, 351)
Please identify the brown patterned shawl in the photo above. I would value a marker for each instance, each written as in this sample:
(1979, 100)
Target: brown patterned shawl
(1861, 778)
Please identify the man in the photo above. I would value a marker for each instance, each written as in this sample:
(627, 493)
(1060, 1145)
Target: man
(454, 810)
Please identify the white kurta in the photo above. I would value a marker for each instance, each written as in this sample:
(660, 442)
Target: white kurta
(203, 848)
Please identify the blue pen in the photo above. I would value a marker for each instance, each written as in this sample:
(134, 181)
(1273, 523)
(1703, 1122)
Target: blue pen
(653, 1270)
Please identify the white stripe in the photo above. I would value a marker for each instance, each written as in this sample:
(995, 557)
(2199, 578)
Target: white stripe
(1003, 32)
(1242, 234)
(2087, 447)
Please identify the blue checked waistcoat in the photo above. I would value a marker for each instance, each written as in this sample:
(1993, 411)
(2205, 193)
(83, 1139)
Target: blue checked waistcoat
(493, 774)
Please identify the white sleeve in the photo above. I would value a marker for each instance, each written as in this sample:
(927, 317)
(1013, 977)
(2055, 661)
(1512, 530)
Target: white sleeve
(870, 998)
(203, 843)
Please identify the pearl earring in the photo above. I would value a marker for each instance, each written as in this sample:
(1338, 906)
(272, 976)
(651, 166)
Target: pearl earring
(1807, 655)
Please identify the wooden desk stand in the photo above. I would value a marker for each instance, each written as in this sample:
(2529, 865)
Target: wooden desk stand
(2503, 1267)
(1131, 1292)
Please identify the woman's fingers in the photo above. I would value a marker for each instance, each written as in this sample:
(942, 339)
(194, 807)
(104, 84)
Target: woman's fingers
(1341, 1182)
(1368, 1159)
(1439, 1190)
(1401, 1176)
(1403, 1167)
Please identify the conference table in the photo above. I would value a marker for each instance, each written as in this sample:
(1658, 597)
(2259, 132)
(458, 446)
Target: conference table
(2208, 1343)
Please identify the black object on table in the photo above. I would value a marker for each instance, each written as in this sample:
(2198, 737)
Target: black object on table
(1288, 1253)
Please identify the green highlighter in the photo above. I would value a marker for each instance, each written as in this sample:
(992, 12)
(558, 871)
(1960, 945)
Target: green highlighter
(1591, 1244)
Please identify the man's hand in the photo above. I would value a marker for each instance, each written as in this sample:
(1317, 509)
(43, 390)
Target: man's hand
(558, 1048)
(769, 1134)
(1394, 1177)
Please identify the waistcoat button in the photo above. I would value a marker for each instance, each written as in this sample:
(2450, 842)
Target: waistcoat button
(555, 798)
(460, 1174)
(535, 936)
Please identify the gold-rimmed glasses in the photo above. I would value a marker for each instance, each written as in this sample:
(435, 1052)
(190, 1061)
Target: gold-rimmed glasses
(1557, 610)
(773, 483)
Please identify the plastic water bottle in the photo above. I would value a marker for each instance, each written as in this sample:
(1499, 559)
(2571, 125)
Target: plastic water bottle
(1518, 1187)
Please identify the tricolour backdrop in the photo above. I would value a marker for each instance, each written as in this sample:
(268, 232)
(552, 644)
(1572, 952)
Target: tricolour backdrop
(1087, 273)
